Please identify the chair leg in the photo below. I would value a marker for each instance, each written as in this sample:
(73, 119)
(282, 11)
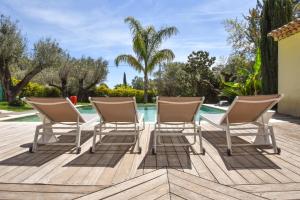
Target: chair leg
(229, 144)
(139, 150)
(276, 149)
(34, 145)
(78, 137)
(202, 150)
(93, 148)
(154, 141)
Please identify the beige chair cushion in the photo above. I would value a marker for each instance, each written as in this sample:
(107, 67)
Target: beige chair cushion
(116, 109)
(61, 111)
(244, 112)
(178, 109)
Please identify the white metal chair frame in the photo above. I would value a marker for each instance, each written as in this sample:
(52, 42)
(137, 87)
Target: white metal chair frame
(174, 126)
(48, 124)
(260, 125)
(134, 130)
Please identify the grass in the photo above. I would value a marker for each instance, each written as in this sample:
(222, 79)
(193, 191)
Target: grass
(4, 106)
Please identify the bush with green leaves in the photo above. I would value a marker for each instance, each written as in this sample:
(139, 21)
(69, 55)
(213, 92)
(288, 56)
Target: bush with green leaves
(33, 89)
(125, 91)
(249, 83)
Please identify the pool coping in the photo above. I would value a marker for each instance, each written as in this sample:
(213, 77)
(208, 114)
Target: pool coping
(30, 113)
(33, 112)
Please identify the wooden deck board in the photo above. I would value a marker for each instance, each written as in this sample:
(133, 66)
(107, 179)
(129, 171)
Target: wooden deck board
(251, 170)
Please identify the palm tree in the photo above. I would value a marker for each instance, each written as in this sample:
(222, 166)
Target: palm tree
(146, 44)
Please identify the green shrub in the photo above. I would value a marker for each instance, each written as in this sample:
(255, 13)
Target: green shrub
(16, 103)
(102, 90)
(124, 91)
(33, 89)
(51, 92)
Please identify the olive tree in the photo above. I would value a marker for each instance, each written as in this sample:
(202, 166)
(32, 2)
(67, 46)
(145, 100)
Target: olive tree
(87, 73)
(13, 49)
(60, 76)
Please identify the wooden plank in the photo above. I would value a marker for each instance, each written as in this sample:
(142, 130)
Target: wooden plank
(269, 187)
(219, 167)
(118, 188)
(280, 195)
(210, 184)
(175, 197)
(154, 193)
(184, 156)
(164, 197)
(117, 153)
(14, 187)
(140, 189)
(144, 142)
(138, 170)
(38, 195)
(210, 193)
(123, 171)
(186, 194)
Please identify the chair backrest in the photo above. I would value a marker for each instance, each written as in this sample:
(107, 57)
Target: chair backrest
(246, 109)
(116, 109)
(55, 109)
(178, 109)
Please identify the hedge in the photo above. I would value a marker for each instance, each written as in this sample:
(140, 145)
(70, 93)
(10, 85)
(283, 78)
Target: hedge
(33, 89)
(125, 91)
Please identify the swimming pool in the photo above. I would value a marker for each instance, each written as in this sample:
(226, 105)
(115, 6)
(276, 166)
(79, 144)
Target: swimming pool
(149, 112)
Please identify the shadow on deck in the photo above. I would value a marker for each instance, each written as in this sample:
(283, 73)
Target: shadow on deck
(244, 157)
(45, 153)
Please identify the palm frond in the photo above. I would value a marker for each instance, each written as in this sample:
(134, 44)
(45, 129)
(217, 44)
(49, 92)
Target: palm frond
(134, 25)
(159, 36)
(167, 32)
(139, 46)
(160, 56)
(131, 60)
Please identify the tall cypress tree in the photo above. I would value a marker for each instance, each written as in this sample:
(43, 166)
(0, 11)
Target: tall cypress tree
(124, 79)
(275, 13)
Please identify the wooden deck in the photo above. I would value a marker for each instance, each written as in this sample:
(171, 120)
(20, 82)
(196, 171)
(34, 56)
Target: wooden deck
(55, 172)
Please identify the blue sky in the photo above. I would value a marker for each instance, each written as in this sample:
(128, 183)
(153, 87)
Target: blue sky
(96, 28)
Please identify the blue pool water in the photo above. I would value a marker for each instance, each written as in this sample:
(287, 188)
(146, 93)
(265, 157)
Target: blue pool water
(149, 112)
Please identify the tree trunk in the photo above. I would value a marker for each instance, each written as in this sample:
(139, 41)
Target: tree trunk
(64, 88)
(145, 88)
(8, 88)
(80, 90)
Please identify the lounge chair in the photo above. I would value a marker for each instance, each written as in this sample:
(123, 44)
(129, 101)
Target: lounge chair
(246, 110)
(174, 113)
(55, 111)
(118, 117)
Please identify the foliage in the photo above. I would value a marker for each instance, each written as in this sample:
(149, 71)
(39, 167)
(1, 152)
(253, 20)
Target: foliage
(137, 83)
(199, 79)
(146, 45)
(12, 54)
(253, 25)
(33, 89)
(102, 90)
(249, 81)
(59, 76)
(87, 73)
(275, 13)
(244, 34)
(124, 91)
(171, 83)
(238, 37)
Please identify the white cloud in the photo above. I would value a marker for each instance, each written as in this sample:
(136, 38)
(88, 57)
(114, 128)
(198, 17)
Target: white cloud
(77, 29)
